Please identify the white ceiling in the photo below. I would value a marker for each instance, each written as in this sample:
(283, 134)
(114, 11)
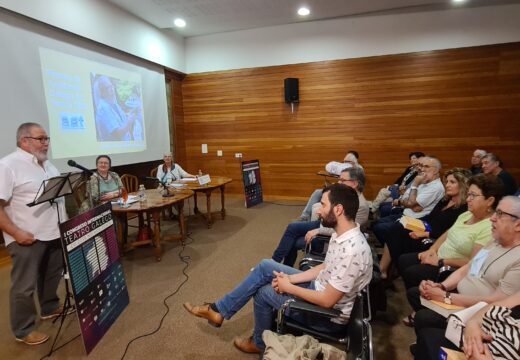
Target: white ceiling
(214, 16)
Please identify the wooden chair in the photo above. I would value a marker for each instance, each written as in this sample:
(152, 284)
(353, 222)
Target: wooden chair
(130, 182)
(153, 172)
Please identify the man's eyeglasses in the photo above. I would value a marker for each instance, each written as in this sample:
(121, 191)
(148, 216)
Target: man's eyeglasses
(42, 140)
(472, 196)
(499, 213)
(344, 180)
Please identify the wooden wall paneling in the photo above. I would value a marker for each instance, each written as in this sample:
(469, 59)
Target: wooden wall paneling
(445, 103)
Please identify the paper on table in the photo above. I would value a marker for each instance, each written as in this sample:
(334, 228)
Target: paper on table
(131, 199)
(188, 179)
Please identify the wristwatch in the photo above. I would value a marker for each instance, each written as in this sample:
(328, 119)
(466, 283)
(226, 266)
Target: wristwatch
(447, 298)
(440, 263)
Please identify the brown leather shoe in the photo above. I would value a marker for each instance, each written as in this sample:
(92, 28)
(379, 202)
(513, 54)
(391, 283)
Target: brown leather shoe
(34, 338)
(205, 311)
(247, 345)
(58, 312)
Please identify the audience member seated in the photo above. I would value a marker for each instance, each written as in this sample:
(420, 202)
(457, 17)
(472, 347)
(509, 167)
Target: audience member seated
(350, 158)
(492, 274)
(104, 185)
(492, 333)
(401, 241)
(170, 171)
(418, 201)
(298, 234)
(476, 161)
(392, 192)
(334, 284)
(461, 242)
(492, 165)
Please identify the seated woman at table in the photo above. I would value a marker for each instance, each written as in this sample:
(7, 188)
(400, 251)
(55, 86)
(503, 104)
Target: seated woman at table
(170, 171)
(104, 185)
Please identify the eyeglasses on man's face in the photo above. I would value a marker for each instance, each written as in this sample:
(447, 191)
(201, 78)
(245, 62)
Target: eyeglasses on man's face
(341, 180)
(42, 139)
(499, 213)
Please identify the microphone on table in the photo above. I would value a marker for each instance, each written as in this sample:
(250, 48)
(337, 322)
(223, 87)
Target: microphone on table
(72, 163)
(163, 183)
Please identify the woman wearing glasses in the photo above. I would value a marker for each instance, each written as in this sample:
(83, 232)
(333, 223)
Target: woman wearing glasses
(170, 171)
(104, 185)
(461, 242)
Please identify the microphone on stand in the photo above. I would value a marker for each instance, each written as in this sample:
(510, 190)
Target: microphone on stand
(72, 163)
(163, 184)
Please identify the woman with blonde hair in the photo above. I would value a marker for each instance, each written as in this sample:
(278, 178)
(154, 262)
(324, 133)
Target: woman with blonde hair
(399, 240)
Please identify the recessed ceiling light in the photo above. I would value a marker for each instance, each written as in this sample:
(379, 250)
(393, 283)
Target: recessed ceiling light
(303, 11)
(179, 22)
(459, 1)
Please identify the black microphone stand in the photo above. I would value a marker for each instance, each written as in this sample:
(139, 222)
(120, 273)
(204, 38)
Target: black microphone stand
(163, 184)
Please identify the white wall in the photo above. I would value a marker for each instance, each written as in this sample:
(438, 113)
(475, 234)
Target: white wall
(353, 37)
(107, 24)
(286, 44)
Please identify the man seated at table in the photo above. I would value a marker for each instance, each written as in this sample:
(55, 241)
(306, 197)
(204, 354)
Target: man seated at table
(347, 269)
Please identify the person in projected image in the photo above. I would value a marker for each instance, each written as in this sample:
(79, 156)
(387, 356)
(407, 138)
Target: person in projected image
(104, 185)
(112, 123)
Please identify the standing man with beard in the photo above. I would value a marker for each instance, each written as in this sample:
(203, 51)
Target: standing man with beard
(31, 233)
(347, 269)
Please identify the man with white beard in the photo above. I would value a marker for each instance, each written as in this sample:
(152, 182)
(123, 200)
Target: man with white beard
(31, 233)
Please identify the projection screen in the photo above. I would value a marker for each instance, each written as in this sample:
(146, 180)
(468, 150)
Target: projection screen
(92, 100)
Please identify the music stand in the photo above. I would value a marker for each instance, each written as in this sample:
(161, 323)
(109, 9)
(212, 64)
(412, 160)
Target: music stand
(50, 190)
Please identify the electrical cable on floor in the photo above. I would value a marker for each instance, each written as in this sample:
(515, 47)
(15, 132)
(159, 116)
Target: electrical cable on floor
(186, 260)
(270, 202)
(59, 347)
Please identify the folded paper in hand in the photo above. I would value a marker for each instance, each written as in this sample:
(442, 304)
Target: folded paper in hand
(412, 224)
(440, 307)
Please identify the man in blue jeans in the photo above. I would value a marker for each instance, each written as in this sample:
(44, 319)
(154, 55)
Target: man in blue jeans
(298, 234)
(347, 269)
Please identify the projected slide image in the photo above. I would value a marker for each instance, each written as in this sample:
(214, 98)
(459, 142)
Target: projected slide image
(118, 109)
(93, 108)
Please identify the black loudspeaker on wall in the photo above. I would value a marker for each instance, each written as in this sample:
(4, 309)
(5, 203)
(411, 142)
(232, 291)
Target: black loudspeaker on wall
(291, 90)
